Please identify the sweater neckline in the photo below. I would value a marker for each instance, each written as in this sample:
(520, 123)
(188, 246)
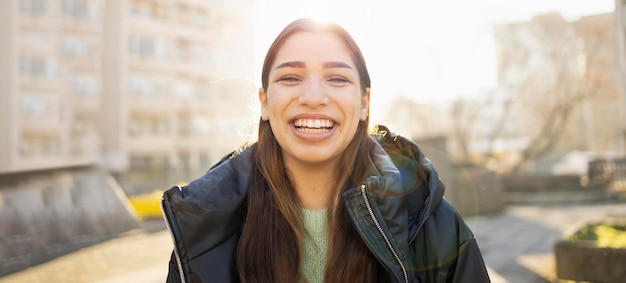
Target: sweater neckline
(314, 220)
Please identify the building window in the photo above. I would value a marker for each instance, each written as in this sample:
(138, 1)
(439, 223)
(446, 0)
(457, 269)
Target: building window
(85, 85)
(140, 86)
(147, 86)
(148, 47)
(34, 66)
(148, 162)
(33, 7)
(73, 46)
(192, 16)
(75, 8)
(81, 9)
(147, 9)
(38, 66)
(148, 126)
(199, 18)
(184, 90)
(160, 48)
(141, 46)
(33, 145)
(31, 105)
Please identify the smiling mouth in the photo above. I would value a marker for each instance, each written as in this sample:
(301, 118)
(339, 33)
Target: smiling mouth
(313, 126)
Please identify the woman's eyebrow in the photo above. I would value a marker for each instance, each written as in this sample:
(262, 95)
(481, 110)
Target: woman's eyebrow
(301, 64)
(330, 65)
(291, 64)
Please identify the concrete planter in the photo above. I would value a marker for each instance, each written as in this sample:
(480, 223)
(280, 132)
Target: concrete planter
(49, 213)
(584, 261)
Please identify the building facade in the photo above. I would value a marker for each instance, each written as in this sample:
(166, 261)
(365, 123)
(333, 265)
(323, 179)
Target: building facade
(155, 90)
(620, 42)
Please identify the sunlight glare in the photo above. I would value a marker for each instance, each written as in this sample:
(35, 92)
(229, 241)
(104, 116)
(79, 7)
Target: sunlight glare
(429, 51)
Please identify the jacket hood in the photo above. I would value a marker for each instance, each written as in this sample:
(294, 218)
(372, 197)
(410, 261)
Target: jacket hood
(204, 213)
(404, 171)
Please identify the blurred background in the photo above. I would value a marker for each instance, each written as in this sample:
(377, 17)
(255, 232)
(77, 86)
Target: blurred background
(105, 102)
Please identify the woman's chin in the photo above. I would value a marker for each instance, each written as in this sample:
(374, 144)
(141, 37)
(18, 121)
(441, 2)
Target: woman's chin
(313, 158)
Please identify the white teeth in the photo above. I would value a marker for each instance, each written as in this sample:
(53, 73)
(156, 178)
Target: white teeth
(313, 125)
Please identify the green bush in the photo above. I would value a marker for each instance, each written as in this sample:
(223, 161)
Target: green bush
(602, 235)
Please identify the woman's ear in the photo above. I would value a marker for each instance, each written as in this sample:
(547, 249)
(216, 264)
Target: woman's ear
(263, 99)
(365, 104)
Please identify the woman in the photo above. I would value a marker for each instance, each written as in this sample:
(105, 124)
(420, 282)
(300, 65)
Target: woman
(317, 198)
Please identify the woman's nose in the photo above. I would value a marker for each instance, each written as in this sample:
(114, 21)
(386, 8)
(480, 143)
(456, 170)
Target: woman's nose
(314, 94)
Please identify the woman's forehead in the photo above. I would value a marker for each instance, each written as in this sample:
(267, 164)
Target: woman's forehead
(314, 48)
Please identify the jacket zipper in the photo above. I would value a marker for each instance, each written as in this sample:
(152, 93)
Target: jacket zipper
(380, 229)
(178, 261)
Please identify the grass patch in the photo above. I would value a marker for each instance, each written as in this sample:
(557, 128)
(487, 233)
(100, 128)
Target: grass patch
(606, 235)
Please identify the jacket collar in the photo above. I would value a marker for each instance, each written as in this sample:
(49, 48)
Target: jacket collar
(402, 185)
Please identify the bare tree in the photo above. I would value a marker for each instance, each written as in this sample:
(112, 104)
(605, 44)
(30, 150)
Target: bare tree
(464, 117)
(547, 68)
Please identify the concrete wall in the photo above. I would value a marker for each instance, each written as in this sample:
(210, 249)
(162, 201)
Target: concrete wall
(45, 214)
(476, 190)
(472, 189)
(554, 189)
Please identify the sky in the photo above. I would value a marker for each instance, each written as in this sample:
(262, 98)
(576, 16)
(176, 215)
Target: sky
(428, 51)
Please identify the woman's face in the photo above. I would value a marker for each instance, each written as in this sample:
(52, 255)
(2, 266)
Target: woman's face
(314, 98)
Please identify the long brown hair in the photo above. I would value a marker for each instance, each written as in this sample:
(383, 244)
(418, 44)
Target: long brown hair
(270, 246)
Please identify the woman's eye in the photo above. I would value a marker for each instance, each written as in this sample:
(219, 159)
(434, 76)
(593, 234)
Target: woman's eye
(289, 79)
(339, 81)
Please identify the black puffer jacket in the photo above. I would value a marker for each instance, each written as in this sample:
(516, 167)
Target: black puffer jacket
(400, 213)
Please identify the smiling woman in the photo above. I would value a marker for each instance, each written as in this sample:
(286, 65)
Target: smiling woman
(318, 198)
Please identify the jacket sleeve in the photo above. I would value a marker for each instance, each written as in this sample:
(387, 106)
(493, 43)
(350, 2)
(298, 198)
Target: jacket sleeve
(172, 274)
(469, 266)
(446, 251)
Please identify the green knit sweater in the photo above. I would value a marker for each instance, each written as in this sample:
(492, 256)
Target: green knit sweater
(315, 245)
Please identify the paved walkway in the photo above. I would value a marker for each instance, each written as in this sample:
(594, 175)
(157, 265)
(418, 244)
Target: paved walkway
(139, 256)
(516, 244)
